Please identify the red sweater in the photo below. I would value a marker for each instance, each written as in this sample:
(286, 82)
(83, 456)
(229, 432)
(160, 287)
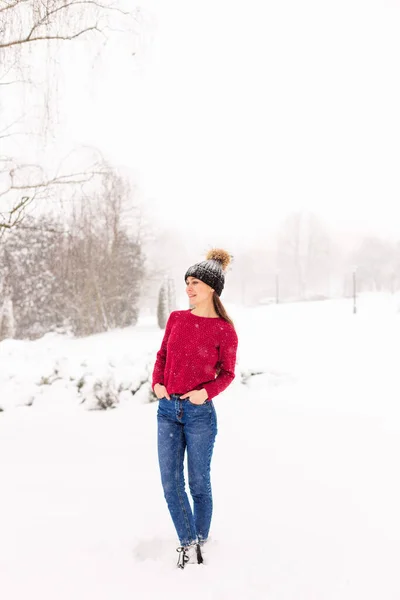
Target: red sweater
(192, 351)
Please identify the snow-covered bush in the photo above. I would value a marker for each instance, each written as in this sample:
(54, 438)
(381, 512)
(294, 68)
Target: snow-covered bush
(99, 392)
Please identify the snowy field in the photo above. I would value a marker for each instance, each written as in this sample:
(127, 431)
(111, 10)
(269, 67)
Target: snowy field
(305, 471)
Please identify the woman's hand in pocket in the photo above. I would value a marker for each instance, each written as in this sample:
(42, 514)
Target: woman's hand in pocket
(196, 396)
(161, 391)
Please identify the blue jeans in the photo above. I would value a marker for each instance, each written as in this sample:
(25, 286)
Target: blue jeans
(183, 425)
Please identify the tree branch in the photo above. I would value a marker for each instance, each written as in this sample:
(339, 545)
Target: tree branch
(15, 215)
(12, 5)
(61, 180)
(60, 10)
(50, 37)
(11, 124)
(12, 82)
(12, 218)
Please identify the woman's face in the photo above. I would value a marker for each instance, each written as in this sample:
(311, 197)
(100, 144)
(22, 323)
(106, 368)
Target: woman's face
(197, 291)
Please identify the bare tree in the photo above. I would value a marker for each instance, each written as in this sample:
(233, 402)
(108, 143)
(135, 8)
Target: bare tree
(377, 263)
(31, 34)
(304, 255)
(103, 267)
(26, 22)
(82, 272)
(26, 184)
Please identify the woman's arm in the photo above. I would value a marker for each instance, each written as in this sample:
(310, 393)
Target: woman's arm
(227, 362)
(158, 371)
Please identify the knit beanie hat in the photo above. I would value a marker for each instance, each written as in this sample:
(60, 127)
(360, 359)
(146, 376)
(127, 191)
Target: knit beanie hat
(211, 271)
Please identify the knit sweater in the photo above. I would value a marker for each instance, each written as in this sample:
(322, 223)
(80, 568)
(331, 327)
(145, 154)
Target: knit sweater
(196, 353)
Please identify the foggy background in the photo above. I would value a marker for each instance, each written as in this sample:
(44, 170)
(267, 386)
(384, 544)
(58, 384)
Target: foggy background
(270, 129)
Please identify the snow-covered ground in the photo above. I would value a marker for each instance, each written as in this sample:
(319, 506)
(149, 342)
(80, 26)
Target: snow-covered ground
(305, 470)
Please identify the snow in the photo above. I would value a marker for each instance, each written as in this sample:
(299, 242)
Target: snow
(305, 470)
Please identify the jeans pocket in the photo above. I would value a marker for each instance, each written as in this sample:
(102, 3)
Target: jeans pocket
(203, 404)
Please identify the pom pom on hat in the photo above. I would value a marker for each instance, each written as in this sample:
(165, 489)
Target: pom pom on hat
(220, 255)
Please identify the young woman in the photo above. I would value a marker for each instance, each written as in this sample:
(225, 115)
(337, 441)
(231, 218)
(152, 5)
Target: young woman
(195, 363)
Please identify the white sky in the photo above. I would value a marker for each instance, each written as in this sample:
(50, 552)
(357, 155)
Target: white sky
(234, 114)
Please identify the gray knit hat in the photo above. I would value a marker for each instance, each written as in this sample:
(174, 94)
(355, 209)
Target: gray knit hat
(211, 271)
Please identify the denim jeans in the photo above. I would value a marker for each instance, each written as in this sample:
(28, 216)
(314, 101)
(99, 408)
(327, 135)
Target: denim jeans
(186, 426)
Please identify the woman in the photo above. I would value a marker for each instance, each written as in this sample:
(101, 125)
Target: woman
(195, 363)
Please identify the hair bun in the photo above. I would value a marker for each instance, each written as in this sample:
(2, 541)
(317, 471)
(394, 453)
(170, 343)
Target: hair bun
(220, 255)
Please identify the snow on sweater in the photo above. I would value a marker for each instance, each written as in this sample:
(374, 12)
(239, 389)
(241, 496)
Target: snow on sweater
(196, 352)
